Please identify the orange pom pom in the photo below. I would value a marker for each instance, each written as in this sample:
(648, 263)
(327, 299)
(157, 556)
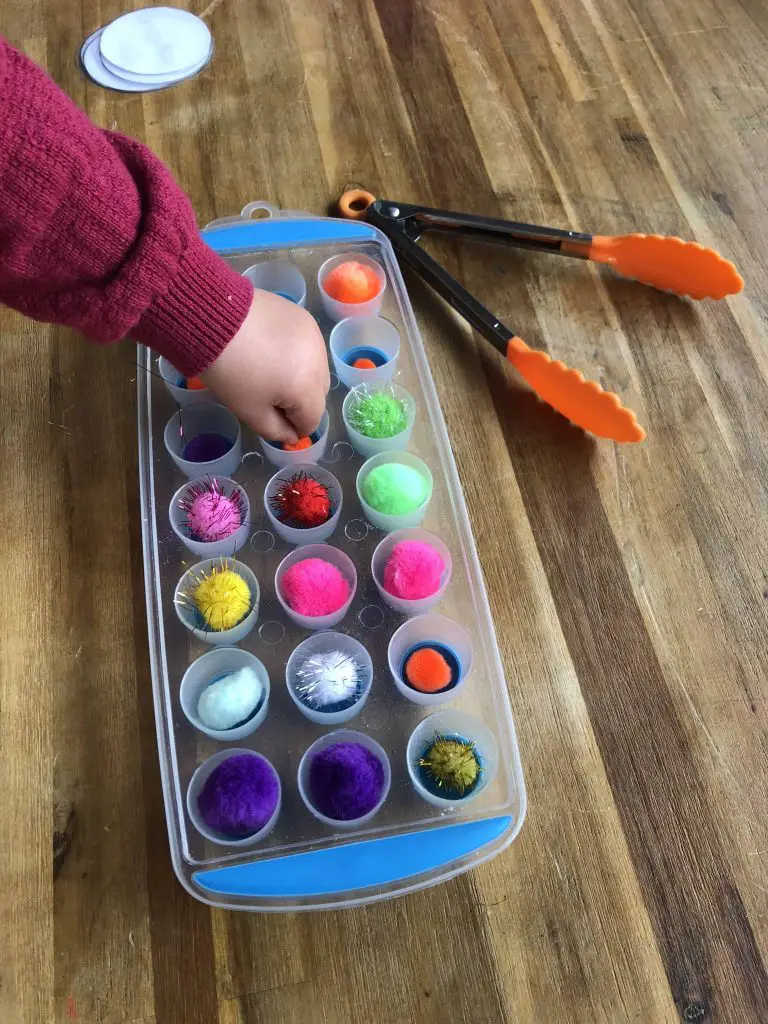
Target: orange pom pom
(352, 282)
(427, 670)
(195, 384)
(364, 364)
(301, 444)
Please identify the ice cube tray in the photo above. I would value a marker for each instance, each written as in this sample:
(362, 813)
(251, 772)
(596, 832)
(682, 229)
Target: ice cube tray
(412, 842)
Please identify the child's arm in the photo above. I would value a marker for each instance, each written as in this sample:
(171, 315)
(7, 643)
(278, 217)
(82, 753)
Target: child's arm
(96, 234)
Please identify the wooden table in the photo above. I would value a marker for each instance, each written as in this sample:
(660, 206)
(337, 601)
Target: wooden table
(629, 584)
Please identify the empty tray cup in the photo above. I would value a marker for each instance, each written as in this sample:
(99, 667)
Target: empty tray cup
(382, 555)
(370, 338)
(280, 278)
(364, 444)
(304, 534)
(212, 668)
(191, 617)
(468, 731)
(339, 310)
(305, 782)
(195, 788)
(187, 511)
(319, 689)
(444, 636)
(208, 431)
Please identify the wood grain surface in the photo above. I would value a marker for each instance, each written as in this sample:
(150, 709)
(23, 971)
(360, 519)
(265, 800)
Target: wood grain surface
(629, 585)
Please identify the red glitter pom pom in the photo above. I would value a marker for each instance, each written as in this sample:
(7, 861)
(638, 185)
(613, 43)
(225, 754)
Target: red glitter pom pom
(302, 502)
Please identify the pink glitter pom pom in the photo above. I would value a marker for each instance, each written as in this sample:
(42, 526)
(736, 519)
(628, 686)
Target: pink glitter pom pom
(315, 587)
(211, 514)
(414, 571)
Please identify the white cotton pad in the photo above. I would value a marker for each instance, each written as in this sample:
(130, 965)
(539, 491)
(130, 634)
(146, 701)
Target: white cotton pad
(154, 80)
(90, 58)
(158, 41)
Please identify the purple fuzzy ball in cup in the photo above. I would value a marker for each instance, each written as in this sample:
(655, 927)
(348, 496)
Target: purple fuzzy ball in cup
(239, 796)
(346, 781)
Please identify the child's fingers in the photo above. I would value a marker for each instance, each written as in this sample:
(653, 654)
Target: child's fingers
(306, 413)
(274, 425)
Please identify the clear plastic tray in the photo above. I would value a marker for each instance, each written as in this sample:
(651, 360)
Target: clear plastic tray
(410, 843)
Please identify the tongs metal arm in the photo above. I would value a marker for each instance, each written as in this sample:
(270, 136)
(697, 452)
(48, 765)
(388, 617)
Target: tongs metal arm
(414, 221)
(399, 229)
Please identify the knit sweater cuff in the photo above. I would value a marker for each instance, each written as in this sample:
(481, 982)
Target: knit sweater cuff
(200, 313)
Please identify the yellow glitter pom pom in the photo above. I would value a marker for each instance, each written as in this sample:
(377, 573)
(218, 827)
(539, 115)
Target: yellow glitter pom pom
(452, 764)
(222, 598)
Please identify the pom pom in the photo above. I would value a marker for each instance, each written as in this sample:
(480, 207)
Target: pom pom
(428, 670)
(329, 681)
(451, 765)
(302, 502)
(346, 781)
(206, 447)
(239, 796)
(298, 446)
(413, 571)
(365, 358)
(315, 587)
(378, 414)
(395, 489)
(212, 515)
(222, 597)
(352, 282)
(231, 700)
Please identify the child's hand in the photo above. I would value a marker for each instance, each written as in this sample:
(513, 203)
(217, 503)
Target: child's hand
(273, 375)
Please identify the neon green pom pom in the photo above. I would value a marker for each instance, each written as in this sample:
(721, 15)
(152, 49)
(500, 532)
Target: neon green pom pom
(395, 489)
(378, 415)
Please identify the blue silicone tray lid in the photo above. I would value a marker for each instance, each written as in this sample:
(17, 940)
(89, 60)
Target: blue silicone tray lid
(303, 863)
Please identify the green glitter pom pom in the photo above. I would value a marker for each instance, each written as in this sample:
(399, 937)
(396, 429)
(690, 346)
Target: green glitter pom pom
(395, 489)
(452, 764)
(378, 415)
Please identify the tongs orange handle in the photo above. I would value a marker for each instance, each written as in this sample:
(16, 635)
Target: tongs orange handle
(583, 402)
(661, 261)
(667, 263)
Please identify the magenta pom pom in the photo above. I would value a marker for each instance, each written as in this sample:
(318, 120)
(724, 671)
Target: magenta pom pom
(414, 571)
(346, 781)
(315, 587)
(239, 796)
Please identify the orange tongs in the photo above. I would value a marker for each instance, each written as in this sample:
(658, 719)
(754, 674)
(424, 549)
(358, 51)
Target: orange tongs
(684, 268)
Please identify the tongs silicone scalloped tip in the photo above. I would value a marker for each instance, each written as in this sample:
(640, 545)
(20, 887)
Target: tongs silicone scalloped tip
(670, 264)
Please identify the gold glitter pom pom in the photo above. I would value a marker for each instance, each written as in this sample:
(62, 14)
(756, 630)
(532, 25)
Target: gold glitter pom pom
(452, 763)
(221, 596)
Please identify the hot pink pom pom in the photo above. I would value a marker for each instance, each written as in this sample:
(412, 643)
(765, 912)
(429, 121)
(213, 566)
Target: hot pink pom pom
(315, 587)
(414, 571)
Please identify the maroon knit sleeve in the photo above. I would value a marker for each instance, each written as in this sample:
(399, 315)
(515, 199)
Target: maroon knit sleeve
(96, 234)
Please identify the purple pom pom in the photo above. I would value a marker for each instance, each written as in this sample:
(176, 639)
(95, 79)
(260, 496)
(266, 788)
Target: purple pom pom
(346, 781)
(239, 796)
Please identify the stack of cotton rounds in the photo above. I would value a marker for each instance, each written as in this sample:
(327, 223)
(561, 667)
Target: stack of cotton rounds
(147, 50)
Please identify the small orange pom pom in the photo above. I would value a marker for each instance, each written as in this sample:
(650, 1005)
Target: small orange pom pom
(352, 282)
(364, 364)
(195, 384)
(427, 670)
(301, 444)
